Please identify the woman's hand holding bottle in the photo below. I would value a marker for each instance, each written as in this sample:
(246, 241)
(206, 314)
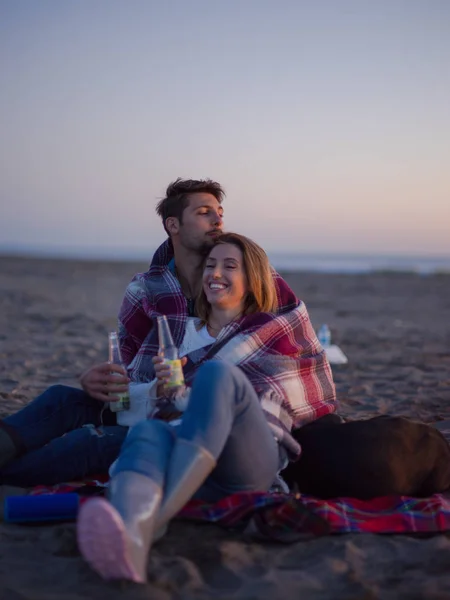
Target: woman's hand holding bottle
(163, 373)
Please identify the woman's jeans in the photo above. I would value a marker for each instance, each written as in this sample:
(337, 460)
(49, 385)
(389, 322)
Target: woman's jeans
(225, 417)
(62, 435)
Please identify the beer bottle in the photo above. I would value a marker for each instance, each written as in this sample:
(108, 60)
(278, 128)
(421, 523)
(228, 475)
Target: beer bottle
(169, 352)
(115, 358)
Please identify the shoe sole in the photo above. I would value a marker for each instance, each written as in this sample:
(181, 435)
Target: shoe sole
(102, 541)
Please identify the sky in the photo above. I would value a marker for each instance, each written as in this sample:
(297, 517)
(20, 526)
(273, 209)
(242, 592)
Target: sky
(327, 122)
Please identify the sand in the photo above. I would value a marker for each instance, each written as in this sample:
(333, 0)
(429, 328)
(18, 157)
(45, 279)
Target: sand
(395, 330)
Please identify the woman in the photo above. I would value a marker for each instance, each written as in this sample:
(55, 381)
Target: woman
(269, 374)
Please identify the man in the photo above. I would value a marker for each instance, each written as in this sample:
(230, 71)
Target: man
(192, 214)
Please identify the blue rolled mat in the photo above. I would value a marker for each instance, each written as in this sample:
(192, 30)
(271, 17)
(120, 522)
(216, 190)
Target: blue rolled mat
(47, 507)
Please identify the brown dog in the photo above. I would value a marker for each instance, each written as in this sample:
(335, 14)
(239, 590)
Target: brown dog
(365, 459)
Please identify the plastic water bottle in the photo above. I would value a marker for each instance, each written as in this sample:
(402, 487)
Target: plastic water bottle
(324, 336)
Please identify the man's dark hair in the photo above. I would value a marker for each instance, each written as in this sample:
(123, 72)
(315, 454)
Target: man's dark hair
(177, 196)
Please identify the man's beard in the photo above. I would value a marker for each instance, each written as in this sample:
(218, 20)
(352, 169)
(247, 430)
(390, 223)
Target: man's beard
(202, 246)
(205, 247)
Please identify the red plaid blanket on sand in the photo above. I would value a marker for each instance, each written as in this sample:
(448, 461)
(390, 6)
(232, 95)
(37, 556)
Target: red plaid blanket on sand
(287, 517)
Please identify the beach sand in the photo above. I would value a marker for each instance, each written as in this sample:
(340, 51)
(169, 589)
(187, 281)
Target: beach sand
(395, 330)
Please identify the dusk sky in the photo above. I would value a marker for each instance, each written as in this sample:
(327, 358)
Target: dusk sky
(327, 121)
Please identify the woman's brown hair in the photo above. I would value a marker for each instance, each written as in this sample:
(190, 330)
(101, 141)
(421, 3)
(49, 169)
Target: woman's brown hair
(262, 294)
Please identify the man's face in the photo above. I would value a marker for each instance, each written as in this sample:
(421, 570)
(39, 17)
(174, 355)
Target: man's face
(201, 223)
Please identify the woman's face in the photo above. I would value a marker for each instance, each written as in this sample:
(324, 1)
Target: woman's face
(224, 277)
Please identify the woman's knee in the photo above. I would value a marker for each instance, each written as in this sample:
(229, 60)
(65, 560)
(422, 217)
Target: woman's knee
(147, 449)
(151, 430)
(216, 369)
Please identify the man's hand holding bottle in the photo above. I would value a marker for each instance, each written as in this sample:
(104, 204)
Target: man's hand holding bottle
(100, 382)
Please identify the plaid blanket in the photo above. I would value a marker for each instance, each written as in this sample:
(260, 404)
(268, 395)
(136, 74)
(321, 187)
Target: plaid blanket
(288, 517)
(284, 517)
(158, 292)
(284, 362)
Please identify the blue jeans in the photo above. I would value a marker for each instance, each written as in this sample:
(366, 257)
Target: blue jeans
(225, 417)
(53, 443)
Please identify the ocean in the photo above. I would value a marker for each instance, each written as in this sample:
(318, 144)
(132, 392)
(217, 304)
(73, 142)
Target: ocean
(346, 263)
(282, 261)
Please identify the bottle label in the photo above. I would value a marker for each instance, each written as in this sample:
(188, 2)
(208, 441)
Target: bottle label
(176, 373)
(123, 403)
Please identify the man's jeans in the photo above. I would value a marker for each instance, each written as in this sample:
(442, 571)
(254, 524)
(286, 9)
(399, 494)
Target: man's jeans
(225, 417)
(55, 441)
